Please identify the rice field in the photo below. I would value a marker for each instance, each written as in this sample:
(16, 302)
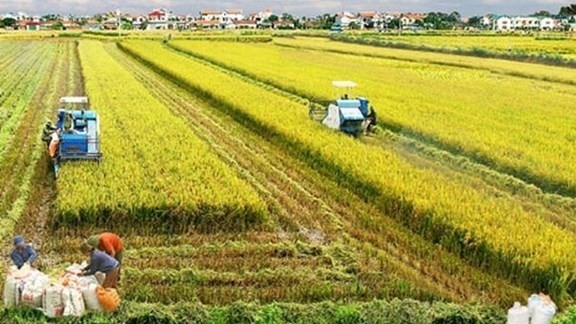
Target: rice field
(230, 199)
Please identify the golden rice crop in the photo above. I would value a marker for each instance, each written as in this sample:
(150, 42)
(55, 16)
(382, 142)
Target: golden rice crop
(516, 125)
(154, 169)
(494, 231)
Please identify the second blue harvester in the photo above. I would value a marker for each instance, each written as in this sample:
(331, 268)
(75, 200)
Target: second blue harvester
(346, 114)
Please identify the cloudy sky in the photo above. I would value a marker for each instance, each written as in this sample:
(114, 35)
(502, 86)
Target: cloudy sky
(309, 8)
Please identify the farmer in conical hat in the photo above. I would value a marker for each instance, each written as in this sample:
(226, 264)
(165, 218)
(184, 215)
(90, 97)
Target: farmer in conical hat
(23, 253)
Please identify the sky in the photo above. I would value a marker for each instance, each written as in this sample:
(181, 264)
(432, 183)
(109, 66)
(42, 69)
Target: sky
(307, 8)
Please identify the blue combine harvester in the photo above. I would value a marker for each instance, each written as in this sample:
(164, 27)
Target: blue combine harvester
(76, 133)
(353, 116)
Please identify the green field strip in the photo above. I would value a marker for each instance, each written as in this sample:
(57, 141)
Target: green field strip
(374, 311)
(17, 98)
(19, 156)
(233, 263)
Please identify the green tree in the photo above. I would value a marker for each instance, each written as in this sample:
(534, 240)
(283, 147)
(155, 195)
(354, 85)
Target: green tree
(441, 20)
(272, 19)
(8, 22)
(541, 13)
(568, 10)
(326, 21)
(58, 25)
(475, 21)
(287, 16)
(354, 25)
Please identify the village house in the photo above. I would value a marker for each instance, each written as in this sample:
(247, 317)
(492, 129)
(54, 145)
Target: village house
(345, 19)
(368, 19)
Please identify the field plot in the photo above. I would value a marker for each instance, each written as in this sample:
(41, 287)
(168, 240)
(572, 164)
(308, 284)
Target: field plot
(318, 242)
(313, 246)
(554, 44)
(477, 224)
(225, 191)
(505, 67)
(518, 126)
(176, 181)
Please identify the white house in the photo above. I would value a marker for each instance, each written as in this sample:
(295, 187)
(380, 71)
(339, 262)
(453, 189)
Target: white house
(548, 24)
(260, 17)
(210, 14)
(231, 15)
(345, 18)
(137, 21)
(368, 19)
(224, 18)
(520, 22)
(503, 23)
(158, 19)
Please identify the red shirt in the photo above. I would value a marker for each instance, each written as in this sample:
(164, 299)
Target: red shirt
(110, 243)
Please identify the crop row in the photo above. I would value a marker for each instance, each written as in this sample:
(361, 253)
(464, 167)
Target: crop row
(529, 44)
(504, 67)
(155, 173)
(489, 231)
(302, 285)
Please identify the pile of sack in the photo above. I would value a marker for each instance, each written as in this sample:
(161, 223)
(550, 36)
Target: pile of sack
(68, 295)
(540, 310)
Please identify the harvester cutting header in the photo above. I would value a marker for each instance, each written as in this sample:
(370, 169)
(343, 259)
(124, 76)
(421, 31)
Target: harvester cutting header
(76, 133)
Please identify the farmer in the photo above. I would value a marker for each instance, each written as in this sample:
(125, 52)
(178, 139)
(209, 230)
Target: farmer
(53, 145)
(102, 262)
(47, 132)
(69, 124)
(110, 243)
(23, 253)
(371, 121)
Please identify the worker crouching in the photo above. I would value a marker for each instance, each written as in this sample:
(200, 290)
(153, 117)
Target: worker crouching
(23, 253)
(102, 262)
(109, 243)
